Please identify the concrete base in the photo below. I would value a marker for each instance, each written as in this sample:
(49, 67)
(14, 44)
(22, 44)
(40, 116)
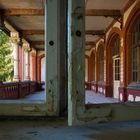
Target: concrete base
(58, 130)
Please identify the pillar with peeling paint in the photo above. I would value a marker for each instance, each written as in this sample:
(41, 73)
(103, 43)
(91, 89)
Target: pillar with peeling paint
(76, 52)
(53, 51)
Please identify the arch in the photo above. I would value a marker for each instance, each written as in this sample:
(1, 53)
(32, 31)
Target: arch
(134, 14)
(91, 67)
(114, 33)
(101, 44)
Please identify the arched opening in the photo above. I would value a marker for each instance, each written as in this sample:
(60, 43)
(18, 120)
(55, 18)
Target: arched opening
(132, 43)
(100, 69)
(91, 69)
(135, 52)
(86, 68)
(113, 65)
(116, 65)
(6, 58)
(101, 63)
(43, 69)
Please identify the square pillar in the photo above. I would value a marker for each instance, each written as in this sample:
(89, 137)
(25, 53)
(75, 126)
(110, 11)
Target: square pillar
(76, 58)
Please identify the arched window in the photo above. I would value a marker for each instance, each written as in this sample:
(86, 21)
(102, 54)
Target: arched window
(116, 57)
(101, 63)
(116, 46)
(135, 49)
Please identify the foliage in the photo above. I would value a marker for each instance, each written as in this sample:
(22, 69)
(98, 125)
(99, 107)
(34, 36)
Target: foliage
(6, 59)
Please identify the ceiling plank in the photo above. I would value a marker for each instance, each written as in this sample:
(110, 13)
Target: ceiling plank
(103, 12)
(22, 12)
(90, 43)
(34, 43)
(95, 32)
(31, 32)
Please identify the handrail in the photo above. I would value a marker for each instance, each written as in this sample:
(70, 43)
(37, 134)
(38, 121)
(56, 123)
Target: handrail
(15, 90)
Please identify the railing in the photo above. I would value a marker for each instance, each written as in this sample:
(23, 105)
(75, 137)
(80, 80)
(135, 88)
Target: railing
(15, 90)
(88, 85)
(9, 90)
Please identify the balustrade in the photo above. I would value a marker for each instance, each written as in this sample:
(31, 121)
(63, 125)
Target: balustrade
(15, 90)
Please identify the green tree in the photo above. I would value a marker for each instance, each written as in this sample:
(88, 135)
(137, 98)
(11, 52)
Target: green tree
(6, 59)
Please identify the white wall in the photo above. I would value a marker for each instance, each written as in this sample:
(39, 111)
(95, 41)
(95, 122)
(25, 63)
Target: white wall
(43, 69)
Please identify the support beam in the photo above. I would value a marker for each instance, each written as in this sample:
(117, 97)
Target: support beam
(40, 12)
(33, 43)
(39, 49)
(31, 32)
(22, 12)
(103, 12)
(95, 32)
(90, 43)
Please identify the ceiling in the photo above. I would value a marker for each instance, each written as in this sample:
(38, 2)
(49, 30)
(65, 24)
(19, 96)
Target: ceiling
(99, 21)
(27, 17)
(30, 24)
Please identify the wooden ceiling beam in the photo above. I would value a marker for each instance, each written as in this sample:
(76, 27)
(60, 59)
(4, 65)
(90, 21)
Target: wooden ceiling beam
(39, 12)
(22, 12)
(95, 32)
(31, 32)
(39, 49)
(34, 43)
(103, 12)
(90, 43)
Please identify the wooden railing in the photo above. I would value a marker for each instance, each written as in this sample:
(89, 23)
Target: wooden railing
(15, 90)
(88, 85)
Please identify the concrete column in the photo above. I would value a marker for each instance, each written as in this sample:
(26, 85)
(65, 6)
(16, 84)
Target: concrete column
(52, 52)
(15, 41)
(76, 58)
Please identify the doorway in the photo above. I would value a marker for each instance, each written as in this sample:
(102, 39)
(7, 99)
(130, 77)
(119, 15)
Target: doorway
(116, 77)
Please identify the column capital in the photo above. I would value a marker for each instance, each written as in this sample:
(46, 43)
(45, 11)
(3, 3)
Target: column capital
(14, 37)
(26, 47)
(33, 51)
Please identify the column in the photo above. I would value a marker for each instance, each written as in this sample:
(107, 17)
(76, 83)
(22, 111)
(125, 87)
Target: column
(33, 65)
(76, 58)
(14, 42)
(27, 61)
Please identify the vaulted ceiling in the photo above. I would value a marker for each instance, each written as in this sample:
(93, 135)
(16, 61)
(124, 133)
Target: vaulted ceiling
(27, 17)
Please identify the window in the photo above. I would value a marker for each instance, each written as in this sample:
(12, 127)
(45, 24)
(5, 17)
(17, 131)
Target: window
(116, 46)
(116, 57)
(135, 49)
(117, 69)
(101, 63)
